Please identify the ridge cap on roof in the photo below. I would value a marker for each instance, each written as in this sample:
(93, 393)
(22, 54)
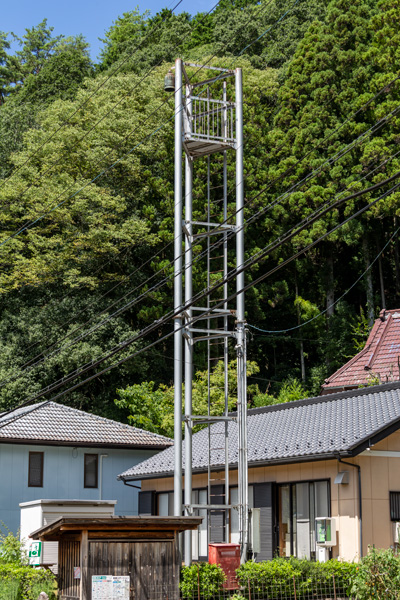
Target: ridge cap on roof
(326, 398)
(378, 345)
(18, 414)
(349, 363)
(372, 344)
(99, 417)
(154, 467)
(113, 421)
(20, 411)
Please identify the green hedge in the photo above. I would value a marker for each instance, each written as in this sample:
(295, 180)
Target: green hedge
(209, 578)
(277, 577)
(25, 583)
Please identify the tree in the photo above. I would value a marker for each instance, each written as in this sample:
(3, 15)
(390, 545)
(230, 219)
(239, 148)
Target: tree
(123, 36)
(4, 71)
(37, 45)
(152, 408)
(280, 25)
(143, 42)
(61, 75)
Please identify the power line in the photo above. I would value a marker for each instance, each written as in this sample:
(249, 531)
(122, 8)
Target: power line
(113, 72)
(31, 223)
(174, 314)
(114, 106)
(202, 316)
(316, 215)
(199, 69)
(333, 303)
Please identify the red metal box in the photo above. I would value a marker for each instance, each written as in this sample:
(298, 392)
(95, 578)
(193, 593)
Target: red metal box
(228, 556)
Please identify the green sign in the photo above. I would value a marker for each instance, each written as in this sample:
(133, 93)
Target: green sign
(35, 553)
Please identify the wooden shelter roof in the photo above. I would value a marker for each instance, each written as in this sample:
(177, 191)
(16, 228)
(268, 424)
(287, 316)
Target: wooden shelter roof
(135, 527)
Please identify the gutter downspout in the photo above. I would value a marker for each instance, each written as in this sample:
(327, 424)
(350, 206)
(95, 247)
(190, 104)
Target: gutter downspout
(359, 500)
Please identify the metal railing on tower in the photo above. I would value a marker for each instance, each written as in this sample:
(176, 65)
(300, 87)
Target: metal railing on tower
(208, 126)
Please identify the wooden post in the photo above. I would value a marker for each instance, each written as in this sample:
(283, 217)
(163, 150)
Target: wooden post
(84, 595)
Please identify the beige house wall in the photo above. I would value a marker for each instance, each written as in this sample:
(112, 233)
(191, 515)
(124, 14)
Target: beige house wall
(380, 474)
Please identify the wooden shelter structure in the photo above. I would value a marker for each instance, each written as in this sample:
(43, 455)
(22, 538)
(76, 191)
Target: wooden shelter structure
(124, 558)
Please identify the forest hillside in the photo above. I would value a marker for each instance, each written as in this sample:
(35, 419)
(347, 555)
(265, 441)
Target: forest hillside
(86, 195)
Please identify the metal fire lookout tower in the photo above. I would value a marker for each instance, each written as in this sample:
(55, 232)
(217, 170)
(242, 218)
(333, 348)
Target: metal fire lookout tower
(208, 126)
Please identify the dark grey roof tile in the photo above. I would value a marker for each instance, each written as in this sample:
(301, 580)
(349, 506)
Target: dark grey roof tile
(56, 423)
(322, 426)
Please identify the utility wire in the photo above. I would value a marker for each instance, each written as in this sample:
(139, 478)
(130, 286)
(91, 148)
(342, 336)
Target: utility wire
(207, 311)
(320, 313)
(178, 312)
(197, 71)
(29, 365)
(103, 172)
(28, 225)
(114, 106)
(113, 72)
(281, 18)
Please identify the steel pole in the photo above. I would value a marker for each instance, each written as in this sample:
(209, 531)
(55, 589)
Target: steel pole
(240, 328)
(226, 345)
(188, 338)
(178, 291)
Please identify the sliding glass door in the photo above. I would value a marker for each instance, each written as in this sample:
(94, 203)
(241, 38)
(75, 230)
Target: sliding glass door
(298, 506)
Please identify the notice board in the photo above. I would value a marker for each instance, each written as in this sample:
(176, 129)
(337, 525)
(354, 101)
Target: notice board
(110, 587)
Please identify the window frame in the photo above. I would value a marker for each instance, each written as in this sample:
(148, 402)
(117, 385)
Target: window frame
(30, 484)
(85, 485)
(394, 506)
(291, 485)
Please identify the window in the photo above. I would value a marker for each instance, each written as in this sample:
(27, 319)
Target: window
(299, 505)
(35, 474)
(147, 503)
(91, 470)
(165, 507)
(394, 506)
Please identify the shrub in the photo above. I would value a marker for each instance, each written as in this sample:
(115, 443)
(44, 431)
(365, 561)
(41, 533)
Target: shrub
(279, 576)
(377, 576)
(11, 548)
(25, 583)
(275, 575)
(210, 579)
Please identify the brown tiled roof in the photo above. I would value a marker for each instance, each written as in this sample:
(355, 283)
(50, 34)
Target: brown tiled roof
(52, 423)
(379, 360)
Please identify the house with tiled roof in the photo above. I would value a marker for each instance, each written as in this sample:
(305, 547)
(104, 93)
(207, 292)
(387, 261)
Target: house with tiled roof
(52, 451)
(334, 456)
(378, 361)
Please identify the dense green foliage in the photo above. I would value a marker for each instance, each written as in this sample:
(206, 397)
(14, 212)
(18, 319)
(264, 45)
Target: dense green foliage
(19, 581)
(86, 197)
(275, 578)
(153, 409)
(377, 576)
(25, 583)
(11, 548)
(203, 577)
